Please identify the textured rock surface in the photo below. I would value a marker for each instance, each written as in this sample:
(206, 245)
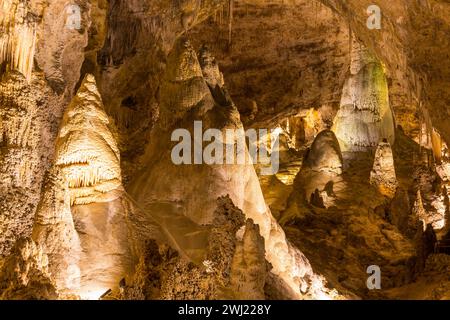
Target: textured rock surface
(54, 231)
(284, 64)
(86, 150)
(364, 117)
(25, 275)
(32, 99)
(23, 140)
(325, 154)
(89, 160)
(18, 36)
(383, 175)
(225, 273)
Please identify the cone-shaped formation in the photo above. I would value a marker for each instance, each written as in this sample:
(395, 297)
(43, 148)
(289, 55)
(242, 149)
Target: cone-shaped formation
(364, 117)
(184, 87)
(17, 36)
(248, 268)
(325, 154)
(88, 157)
(383, 172)
(54, 230)
(193, 189)
(86, 149)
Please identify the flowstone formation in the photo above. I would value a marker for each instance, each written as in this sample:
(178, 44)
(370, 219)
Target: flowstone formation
(191, 190)
(364, 117)
(383, 174)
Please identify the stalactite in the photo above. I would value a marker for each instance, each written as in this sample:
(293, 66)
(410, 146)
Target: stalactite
(434, 140)
(230, 21)
(18, 37)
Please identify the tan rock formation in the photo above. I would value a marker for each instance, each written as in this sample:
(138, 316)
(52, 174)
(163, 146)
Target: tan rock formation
(54, 231)
(88, 157)
(183, 186)
(86, 149)
(383, 174)
(248, 267)
(17, 36)
(234, 265)
(419, 211)
(25, 274)
(364, 117)
(325, 154)
(22, 165)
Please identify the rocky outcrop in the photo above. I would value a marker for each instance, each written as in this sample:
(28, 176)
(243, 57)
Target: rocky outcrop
(40, 66)
(23, 139)
(248, 267)
(419, 211)
(383, 175)
(364, 117)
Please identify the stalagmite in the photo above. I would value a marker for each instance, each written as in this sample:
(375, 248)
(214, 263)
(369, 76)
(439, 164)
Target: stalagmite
(86, 150)
(17, 36)
(192, 189)
(248, 268)
(325, 154)
(364, 117)
(383, 174)
(419, 211)
(89, 160)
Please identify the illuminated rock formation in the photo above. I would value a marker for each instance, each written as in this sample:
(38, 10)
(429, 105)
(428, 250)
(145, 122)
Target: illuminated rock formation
(86, 149)
(54, 231)
(210, 68)
(248, 267)
(383, 174)
(192, 189)
(325, 154)
(17, 36)
(364, 117)
(88, 157)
